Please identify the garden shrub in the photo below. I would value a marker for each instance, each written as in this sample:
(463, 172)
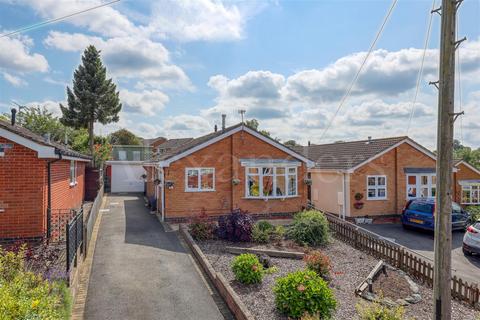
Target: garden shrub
(278, 233)
(309, 228)
(304, 292)
(378, 311)
(201, 228)
(247, 268)
(262, 231)
(474, 211)
(318, 262)
(25, 295)
(236, 227)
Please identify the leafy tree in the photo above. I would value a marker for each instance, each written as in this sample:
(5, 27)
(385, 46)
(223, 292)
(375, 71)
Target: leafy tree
(4, 117)
(466, 153)
(124, 137)
(41, 121)
(254, 124)
(94, 98)
(290, 143)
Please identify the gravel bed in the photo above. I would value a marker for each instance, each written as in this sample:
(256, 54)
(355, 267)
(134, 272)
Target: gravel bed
(349, 268)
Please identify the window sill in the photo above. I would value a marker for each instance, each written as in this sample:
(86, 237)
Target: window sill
(377, 199)
(270, 198)
(194, 191)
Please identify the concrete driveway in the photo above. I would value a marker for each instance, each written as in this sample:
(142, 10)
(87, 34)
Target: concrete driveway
(422, 242)
(142, 272)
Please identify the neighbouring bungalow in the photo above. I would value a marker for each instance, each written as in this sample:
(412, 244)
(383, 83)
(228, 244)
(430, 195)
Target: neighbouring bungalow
(232, 168)
(41, 182)
(376, 177)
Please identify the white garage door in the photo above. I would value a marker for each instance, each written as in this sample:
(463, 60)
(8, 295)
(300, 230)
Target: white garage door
(127, 178)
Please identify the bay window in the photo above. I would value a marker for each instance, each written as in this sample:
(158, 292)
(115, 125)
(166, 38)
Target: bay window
(421, 186)
(199, 179)
(271, 182)
(376, 187)
(471, 194)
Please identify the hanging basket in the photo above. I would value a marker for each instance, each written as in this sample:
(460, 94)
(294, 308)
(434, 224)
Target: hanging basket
(358, 196)
(235, 181)
(358, 205)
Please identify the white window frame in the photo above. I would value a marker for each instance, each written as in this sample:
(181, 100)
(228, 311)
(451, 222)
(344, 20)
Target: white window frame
(136, 152)
(470, 190)
(73, 172)
(274, 176)
(376, 187)
(199, 188)
(123, 152)
(418, 185)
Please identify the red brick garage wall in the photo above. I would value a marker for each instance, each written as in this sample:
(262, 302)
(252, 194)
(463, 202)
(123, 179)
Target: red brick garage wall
(64, 195)
(22, 193)
(225, 156)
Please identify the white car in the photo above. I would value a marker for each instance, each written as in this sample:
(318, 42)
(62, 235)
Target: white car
(471, 240)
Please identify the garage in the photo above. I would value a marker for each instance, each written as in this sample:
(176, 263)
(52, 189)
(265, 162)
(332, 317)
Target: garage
(126, 176)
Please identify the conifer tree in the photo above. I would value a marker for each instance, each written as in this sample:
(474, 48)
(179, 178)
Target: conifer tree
(94, 98)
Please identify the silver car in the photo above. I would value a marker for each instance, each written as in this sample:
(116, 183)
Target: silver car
(471, 240)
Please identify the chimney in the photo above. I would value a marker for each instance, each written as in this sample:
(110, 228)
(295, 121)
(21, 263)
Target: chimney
(46, 137)
(369, 140)
(215, 128)
(224, 116)
(14, 116)
(309, 143)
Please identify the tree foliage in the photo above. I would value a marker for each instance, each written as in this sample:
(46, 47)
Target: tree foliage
(124, 137)
(41, 121)
(472, 156)
(290, 143)
(94, 98)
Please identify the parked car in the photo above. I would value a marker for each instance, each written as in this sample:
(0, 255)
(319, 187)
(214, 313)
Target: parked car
(471, 240)
(419, 213)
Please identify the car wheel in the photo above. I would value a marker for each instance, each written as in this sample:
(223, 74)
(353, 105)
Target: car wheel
(406, 227)
(466, 252)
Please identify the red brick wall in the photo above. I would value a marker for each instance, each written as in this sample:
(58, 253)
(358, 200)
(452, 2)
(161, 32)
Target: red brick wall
(463, 173)
(64, 195)
(22, 193)
(225, 156)
(404, 156)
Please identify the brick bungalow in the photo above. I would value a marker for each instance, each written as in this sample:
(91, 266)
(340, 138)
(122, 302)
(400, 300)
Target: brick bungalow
(376, 177)
(40, 181)
(235, 167)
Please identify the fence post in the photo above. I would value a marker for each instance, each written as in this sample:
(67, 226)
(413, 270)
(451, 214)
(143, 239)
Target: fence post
(67, 227)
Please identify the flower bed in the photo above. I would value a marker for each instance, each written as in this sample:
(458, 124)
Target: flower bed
(349, 268)
(340, 265)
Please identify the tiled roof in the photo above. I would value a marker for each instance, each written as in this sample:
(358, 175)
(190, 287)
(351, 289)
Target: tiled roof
(193, 143)
(173, 143)
(25, 133)
(346, 155)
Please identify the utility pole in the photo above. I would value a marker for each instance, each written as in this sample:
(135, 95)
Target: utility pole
(446, 119)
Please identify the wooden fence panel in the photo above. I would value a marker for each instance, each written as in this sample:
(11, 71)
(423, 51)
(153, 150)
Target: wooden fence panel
(401, 258)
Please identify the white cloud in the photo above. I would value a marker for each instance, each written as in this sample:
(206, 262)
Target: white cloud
(145, 102)
(13, 80)
(50, 105)
(192, 20)
(15, 56)
(106, 21)
(128, 57)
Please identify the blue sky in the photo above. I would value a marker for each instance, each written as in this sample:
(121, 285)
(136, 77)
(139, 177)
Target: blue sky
(179, 65)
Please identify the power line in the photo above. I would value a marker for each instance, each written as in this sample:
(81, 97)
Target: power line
(352, 84)
(420, 72)
(43, 23)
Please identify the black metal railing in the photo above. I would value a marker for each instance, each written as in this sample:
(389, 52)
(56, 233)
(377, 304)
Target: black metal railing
(74, 238)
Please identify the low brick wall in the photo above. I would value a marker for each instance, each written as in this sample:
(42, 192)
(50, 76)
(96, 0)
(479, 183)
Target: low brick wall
(236, 306)
(256, 216)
